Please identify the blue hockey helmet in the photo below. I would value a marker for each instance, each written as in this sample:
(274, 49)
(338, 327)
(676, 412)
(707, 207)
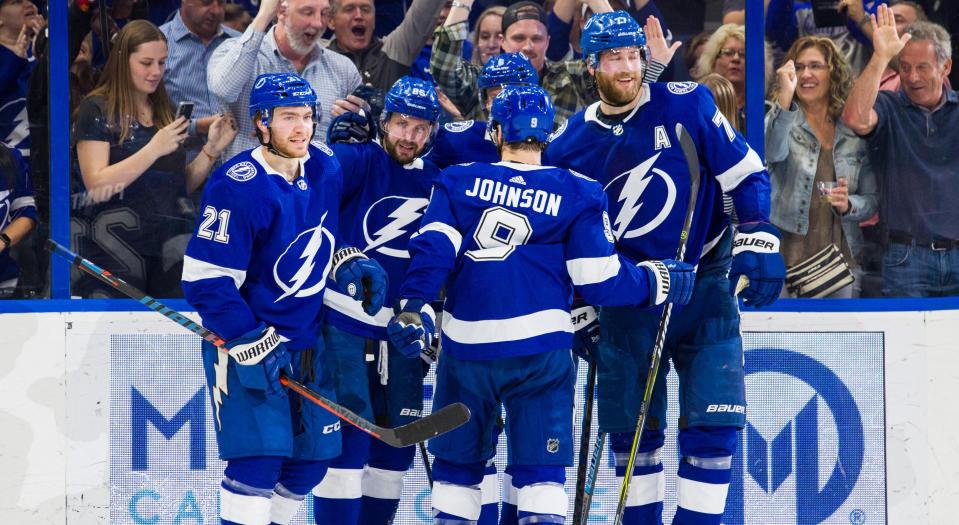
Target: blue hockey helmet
(522, 112)
(508, 69)
(278, 90)
(413, 97)
(609, 31)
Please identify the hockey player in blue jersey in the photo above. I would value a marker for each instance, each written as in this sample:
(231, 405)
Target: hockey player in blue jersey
(628, 143)
(510, 240)
(256, 270)
(386, 188)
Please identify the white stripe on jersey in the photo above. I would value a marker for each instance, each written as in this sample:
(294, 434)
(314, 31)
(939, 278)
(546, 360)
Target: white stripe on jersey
(350, 307)
(592, 270)
(731, 178)
(456, 239)
(197, 270)
(21, 202)
(512, 329)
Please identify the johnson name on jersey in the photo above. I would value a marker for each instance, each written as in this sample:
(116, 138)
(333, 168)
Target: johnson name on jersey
(381, 207)
(513, 239)
(264, 246)
(463, 141)
(642, 168)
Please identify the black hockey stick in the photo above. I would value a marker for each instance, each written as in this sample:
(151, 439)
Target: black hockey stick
(590, 488)
(584, 438)
(426, 464)
(439, 422)
(692, 162)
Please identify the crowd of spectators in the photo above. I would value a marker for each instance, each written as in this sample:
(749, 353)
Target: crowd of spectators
(861, 121)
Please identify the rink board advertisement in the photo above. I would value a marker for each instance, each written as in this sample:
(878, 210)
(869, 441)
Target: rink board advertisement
(812, 451)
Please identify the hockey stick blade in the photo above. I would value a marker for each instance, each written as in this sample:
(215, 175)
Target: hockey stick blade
(439, 422)
(692, 163)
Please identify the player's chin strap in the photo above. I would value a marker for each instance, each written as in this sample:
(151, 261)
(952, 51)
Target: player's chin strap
(269, 144)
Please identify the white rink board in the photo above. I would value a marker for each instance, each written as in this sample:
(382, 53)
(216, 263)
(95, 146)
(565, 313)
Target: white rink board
(59, 403)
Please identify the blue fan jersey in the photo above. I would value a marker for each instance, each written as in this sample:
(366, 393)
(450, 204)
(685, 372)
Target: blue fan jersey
(15, 202)
(14, 126)
(510, 241)
(641, 166)
(460, 142)
(264, 246)
(382, 205)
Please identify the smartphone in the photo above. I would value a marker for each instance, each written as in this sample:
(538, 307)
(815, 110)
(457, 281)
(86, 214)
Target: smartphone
(825, 13)
(184, 109)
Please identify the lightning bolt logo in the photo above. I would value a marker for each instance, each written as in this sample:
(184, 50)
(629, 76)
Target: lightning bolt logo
(409, 211)
(20, 130)
(308, 264)
(636, 182)
(637, 179)
(220, 388)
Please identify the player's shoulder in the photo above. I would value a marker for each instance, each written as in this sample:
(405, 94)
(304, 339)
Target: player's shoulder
(570, 127)
(462, 126)
(322, 155)
(241, 170)
(679, 96)
(584, 188)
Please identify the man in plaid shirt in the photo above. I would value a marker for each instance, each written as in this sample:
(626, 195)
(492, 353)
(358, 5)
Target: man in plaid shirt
(524, 30)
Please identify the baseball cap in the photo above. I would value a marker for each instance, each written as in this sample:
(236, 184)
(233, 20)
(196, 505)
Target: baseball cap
(525, 10)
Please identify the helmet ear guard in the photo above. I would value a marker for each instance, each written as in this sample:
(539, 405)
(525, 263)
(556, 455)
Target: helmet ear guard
(280, 90)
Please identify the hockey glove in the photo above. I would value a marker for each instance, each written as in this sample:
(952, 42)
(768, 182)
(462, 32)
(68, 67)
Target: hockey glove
(361, 278)
(670, 281)
(756, 255)
(411, 329)
(351, 128)
(260, 355)
(586, 325)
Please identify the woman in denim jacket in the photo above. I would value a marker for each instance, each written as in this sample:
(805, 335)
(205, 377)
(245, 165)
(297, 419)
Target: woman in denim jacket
(808, 144)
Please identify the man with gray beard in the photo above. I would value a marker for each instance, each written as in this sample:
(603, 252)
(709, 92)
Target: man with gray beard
(292, 45)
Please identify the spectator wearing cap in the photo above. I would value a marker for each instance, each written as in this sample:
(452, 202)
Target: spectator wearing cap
(381, 61)
(289, 46)
(913, 134)
(568, 83)
(193, 34)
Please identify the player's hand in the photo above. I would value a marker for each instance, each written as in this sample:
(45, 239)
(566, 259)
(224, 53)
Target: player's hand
(221, 134)
(350, 104)
(787, 84)
(361, 278)
(659, 49)
(586, 326)
(756, 255)
(670, 281)
(351, 128)
(260, 356)
(168, 138)
(886, 42)
(412, 328)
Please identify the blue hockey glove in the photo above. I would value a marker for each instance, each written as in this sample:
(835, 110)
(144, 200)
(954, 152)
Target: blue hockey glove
(756, 255)
(586, 325)
(670, 281)
(411, 329)
(260, 355)
(361, 278)
(351, 128)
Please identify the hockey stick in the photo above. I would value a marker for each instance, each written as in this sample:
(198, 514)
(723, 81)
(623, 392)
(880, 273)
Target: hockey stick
(426, 464)
(590, 487)
(585, 434)
(439, 422)
(692, 162)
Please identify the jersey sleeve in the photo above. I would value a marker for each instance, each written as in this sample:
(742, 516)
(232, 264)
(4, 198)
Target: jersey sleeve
(91, 123)
(729, 159)
(217, 258)
(354, 167)
(434, 248)
(599, 273)
(22, 204)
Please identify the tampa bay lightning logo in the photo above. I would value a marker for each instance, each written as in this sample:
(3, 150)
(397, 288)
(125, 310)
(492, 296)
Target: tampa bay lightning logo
(459, 126)
(389, 222)
(14, 126)
(242, 171)
(634, 216)
(298, 270)
(681, 88)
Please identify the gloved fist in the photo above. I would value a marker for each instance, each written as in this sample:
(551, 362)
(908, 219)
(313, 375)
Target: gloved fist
(756, 255)
(411, 329)
(351, 128)
(586, 326)
(670, 281)
(260, 356)
(361, 278)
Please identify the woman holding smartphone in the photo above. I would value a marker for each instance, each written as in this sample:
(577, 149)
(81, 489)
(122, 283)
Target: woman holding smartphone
(822, 182)
(131, 212)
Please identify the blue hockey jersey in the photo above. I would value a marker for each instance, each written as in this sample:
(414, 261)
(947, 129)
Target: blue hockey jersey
(643, 170)
(511, 240)
(14, 126)
(460, 142)
(15, 202)
(381, 208)
(264, 246)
